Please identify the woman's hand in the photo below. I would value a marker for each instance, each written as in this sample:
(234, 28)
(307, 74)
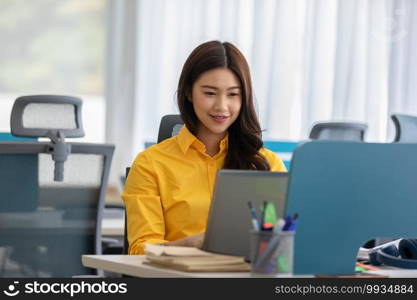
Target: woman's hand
(195, 240)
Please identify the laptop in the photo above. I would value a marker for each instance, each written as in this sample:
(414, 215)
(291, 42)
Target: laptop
(229, 221)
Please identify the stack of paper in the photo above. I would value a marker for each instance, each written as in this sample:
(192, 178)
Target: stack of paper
(192, 259)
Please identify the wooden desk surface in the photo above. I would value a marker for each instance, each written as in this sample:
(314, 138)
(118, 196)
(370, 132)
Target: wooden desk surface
(133, 265)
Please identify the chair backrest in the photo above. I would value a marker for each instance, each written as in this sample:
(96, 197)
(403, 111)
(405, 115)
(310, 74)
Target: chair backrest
(50, 224)
(340, 131)
(125, 240)
(405, 128)
(170, 126)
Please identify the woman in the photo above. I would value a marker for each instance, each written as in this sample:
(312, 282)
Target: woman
(169, 187)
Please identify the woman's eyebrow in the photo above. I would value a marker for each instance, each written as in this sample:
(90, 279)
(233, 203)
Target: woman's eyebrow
(216, 88)
(209, 87)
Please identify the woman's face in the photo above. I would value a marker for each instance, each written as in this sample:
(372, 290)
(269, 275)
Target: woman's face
(217, 99)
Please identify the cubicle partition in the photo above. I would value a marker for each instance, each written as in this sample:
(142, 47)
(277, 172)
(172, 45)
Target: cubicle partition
(345, 194)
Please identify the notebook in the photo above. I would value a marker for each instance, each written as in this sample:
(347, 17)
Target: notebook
(191, 259)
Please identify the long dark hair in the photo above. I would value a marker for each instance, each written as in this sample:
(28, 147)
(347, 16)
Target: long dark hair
(245, 135)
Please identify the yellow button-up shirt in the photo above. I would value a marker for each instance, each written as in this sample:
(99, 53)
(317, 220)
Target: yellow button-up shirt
(168, 191)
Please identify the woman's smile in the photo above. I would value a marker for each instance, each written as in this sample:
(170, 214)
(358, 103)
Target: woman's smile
(219, 118)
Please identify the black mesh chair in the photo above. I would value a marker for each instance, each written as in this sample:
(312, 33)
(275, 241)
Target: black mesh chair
(341, 131)
(405, 128)
(170, 126)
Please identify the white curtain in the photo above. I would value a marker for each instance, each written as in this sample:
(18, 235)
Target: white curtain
(121, 84)
(403, 60)
(360, 91)
(311, 60)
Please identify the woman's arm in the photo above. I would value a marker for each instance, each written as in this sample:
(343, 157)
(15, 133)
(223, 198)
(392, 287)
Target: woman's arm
(195, 240)
(145, 218)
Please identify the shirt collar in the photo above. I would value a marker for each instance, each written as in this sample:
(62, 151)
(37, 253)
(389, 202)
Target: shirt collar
(186, 139)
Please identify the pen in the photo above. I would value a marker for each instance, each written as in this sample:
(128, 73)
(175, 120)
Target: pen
(294, 222)
(271, 216)
(295, 217)
(255, 222)
(279, 225)
(263, 214)
(293, 225)
(267, 227)
(288, 222)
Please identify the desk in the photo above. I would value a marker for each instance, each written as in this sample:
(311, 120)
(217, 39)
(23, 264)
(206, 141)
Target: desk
(132, 265)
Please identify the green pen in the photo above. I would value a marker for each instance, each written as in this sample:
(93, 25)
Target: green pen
(270, 214)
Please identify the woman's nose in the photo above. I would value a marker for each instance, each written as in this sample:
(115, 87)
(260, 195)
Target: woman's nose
(221, 103)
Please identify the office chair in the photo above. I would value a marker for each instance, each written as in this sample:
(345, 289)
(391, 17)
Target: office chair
(52, 192)
(342, 131)
(125, 249)
(405, 127)
(170, 126)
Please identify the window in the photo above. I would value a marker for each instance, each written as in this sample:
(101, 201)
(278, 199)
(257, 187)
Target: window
(54, 47)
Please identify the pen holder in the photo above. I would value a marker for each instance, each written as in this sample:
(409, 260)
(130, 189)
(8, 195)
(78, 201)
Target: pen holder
(272, 252)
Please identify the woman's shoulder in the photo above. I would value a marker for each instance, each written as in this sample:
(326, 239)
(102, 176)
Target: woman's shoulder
(274, 160)
(157, 151)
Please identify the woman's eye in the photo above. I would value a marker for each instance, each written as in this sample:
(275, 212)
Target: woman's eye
(209, 93)
(233, 94)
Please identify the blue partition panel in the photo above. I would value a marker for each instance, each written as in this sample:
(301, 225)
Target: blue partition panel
(347, 193)
(7, 136)
(23, 188)
(283, 149)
